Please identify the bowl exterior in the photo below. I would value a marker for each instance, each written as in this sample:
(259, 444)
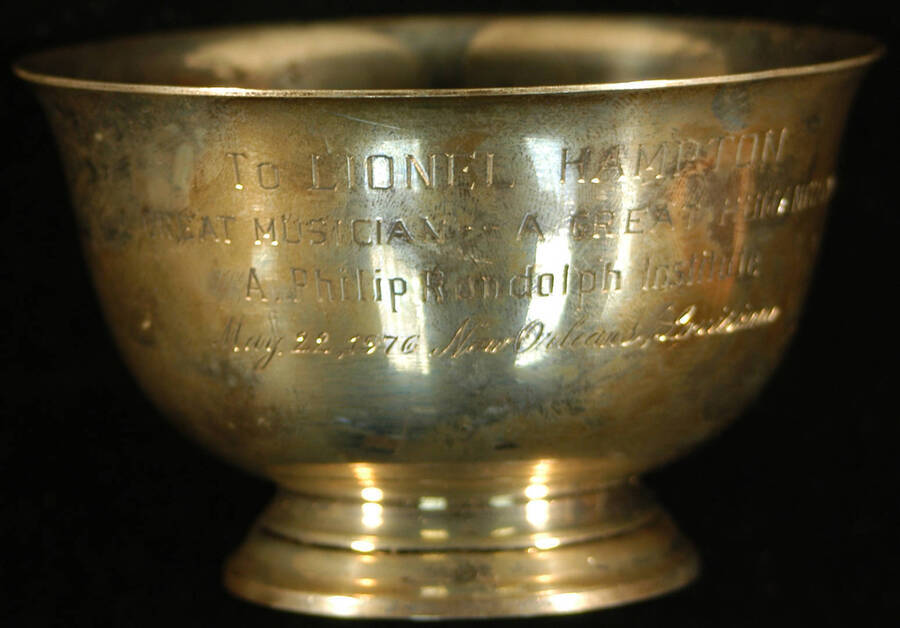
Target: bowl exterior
(606, 276)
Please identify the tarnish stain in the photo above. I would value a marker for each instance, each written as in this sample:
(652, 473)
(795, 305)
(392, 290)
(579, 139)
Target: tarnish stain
(731, 106)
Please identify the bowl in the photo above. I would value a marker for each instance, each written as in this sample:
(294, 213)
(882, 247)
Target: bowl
(454, 283)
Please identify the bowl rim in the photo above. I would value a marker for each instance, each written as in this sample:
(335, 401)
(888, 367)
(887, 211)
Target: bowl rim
(24, 66)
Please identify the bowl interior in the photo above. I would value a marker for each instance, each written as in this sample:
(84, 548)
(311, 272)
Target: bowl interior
(452, 53)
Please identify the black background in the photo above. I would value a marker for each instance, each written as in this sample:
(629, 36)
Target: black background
(108, 517)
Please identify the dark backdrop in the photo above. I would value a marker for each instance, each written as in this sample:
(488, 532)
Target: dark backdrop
(110, 518)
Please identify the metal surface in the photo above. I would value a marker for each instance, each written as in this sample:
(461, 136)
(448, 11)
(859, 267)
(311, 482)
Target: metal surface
(453, 283)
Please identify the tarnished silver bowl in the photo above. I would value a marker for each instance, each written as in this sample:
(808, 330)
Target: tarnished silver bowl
(453, 283)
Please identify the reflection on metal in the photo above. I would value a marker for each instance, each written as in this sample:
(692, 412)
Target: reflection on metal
(371, 515)
(537, 512)
(362, 545)
(434, 535)
(372, 494)
(545, 541)
(438, 590)
(565, 602)
(429, 502)
(342, 604)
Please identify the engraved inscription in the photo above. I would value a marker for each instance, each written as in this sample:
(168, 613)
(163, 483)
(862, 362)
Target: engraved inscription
(329, 172)
(573, 283)
(598, 221)
(330, 286)
(675, 324)
(673, 159)
(266, 347)
(606, 245)
(438, 286)
(182, 226)
(445, 169)
(703, 267)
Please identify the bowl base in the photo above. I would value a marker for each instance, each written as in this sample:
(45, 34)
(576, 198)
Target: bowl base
(444, 571)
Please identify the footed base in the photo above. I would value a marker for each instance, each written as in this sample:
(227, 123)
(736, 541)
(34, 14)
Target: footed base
(457, 584)
(609, 547)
